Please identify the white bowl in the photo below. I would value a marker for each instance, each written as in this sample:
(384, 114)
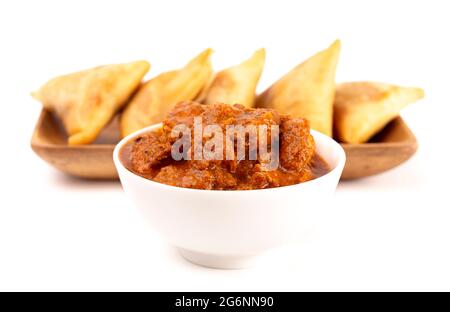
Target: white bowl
(229, 229)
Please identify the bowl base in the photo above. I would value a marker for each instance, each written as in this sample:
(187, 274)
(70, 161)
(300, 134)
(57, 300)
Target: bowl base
(217, 261)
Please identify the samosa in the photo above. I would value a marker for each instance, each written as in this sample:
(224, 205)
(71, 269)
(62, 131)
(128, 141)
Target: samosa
(237, 84)
(361, 109)
(307, 91)
(157, 96)
(86, 101)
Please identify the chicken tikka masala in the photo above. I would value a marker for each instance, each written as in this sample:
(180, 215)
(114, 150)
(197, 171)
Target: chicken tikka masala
(150, 155)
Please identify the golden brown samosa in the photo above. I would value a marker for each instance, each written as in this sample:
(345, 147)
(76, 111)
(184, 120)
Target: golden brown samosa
(307, 91)
(157, 96)
(86, 101)
(361, 109)
(237, 84)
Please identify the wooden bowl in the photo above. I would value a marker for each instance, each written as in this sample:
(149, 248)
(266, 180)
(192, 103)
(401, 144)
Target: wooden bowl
(93, 161)
(392, 146)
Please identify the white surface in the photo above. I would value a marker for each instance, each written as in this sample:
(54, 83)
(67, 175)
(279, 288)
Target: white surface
(226, 229)
(389, 232)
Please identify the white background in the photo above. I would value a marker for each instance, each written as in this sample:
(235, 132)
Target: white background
(389, 232)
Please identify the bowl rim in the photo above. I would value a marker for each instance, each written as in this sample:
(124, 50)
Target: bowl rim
(119, 165)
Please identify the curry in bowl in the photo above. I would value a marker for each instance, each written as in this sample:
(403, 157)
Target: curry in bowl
(184, 152)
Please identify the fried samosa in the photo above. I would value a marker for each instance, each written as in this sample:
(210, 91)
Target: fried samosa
(87, 100)
(361, 109)
(307, 91)
(157, 96)
(237, 84)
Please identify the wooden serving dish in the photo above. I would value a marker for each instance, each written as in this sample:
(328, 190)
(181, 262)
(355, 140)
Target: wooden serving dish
(392, 146)
(93, 161)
